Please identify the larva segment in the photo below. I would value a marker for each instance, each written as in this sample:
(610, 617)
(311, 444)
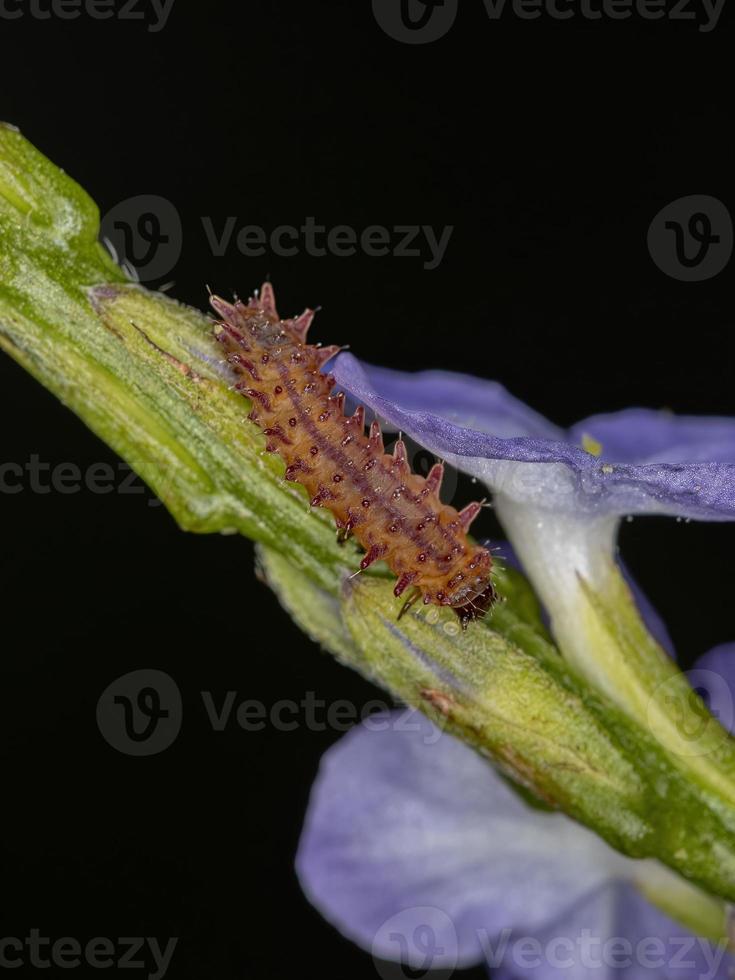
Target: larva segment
(396, 515)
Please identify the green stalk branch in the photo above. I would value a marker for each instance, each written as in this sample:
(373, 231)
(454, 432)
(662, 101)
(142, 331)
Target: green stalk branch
(140, 371)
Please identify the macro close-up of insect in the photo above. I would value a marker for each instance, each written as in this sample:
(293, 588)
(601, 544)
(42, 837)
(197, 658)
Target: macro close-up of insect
(367, 490)
(396, 515)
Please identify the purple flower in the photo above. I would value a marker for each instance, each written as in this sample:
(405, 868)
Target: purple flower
(629, 462)
(413, 846)
(560, 495)
(415, 849)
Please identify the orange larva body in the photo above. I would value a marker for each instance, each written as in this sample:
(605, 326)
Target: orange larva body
(396, 515)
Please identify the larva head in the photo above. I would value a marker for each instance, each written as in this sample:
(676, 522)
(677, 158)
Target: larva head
(477, 606)
(469, 591)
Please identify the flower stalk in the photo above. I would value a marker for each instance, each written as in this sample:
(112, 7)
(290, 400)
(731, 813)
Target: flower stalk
(136, 367)
(140, 370)
(598, 628)
(508, 693)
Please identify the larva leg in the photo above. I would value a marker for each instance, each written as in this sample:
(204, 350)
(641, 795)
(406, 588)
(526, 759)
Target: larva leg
(416, 594)
(343, 534)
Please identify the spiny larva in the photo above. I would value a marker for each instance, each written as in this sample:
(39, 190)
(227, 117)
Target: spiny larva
(396, 515)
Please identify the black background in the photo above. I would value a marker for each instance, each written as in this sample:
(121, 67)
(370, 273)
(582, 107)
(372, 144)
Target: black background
(549, 146)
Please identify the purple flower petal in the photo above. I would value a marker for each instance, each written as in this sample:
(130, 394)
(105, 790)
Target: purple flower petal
(468, 401)
(456, 413)
(614, 934)
(411, 834)
(651, 462)
(641, 435)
